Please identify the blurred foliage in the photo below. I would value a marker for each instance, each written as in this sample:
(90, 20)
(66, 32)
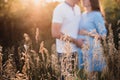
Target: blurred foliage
(111, 9)
(16, 18)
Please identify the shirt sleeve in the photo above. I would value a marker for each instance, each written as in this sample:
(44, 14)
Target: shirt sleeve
(57, 15)
(100, 24)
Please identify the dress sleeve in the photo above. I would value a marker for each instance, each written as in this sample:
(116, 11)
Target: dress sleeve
(100, 24)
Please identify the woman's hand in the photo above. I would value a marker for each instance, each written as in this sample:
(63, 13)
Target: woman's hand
(87, 33)
(96, 36)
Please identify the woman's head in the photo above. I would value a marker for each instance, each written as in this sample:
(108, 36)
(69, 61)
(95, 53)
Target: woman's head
(94, 4)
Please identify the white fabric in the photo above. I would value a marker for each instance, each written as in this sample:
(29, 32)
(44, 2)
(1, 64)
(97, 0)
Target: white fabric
(69, 18)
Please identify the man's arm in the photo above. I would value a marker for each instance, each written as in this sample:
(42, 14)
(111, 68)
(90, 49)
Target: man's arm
(56, 33)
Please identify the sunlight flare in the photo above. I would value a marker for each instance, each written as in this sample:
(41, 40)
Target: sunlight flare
(36, 2)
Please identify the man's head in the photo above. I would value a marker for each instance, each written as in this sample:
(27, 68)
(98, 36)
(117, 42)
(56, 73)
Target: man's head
(73, 1)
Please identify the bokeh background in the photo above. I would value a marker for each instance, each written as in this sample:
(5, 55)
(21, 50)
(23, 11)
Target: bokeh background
(24, 16)
(20, 16)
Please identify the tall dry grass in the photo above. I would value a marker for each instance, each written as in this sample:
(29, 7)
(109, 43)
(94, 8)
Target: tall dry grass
(43, 65)
(1, 61)
(112, 56)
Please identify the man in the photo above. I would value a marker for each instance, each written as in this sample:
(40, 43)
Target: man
(66, 23)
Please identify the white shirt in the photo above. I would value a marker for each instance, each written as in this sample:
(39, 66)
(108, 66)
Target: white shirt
(69, 18)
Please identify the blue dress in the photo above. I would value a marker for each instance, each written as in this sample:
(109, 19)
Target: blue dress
(92, 58)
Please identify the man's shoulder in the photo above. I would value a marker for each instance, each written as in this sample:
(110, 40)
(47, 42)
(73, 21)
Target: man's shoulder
(60, 6)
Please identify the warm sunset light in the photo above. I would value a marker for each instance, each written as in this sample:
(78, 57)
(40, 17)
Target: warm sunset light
(36, 2)
(54, 0)
(55, 40)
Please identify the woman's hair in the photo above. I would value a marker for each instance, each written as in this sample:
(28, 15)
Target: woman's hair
(95, 5)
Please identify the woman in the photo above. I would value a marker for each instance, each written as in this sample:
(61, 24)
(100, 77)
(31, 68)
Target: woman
(92, 30)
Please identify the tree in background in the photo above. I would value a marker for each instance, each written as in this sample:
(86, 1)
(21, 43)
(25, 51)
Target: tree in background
(112, 16)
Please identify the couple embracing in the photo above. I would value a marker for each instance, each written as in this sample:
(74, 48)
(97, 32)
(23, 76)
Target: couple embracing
(81, 29)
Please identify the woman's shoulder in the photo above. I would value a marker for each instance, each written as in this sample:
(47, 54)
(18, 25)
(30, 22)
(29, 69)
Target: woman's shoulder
(84, 13)
(97, 13)
(98, 17)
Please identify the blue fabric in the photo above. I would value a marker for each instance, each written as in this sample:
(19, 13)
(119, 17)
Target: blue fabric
(80, 59)
(92, 21)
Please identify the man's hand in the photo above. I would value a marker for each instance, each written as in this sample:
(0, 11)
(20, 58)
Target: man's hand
(79, 43)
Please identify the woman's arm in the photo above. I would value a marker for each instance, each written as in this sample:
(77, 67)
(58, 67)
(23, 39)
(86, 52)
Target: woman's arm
(85, 32)
(100, 25)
